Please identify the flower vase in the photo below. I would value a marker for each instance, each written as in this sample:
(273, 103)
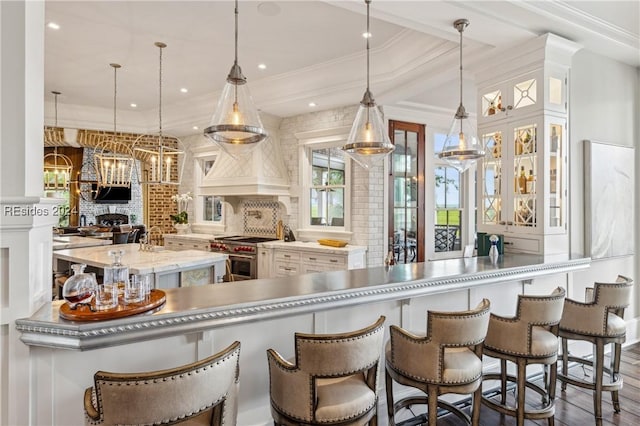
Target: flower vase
(182, 228)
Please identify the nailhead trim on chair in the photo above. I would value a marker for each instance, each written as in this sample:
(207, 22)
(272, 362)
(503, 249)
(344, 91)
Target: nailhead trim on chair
(604, 321)
(320, 339)
(97, 395)
(531, 325)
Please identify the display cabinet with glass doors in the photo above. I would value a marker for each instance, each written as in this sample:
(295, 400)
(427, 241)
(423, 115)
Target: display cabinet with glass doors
(522, 122)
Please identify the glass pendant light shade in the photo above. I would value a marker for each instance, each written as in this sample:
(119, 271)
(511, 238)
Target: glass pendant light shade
(368, 142)
(461, 147)
(236, 126)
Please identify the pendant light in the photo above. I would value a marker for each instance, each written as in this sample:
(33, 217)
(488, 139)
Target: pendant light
(368, 142)
(236, 126)
(114, 159)
(57, 167)
(461, 147)
(164, 160)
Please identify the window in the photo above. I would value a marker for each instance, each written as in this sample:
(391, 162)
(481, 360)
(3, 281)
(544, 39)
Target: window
(327, 187)
(208, 208)
(448, 196)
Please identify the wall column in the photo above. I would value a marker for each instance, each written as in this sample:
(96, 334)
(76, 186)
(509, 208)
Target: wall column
(25, 218)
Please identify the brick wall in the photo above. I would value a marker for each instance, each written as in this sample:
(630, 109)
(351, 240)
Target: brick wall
(151, 203)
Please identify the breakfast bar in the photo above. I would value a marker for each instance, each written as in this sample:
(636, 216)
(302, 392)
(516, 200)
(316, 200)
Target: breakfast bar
(197, 321)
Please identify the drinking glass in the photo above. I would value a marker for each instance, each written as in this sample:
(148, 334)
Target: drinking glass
(133, 290)
(144, 283)
(106, 296)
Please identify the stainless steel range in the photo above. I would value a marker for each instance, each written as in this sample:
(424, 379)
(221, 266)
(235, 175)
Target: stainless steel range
(243, 254)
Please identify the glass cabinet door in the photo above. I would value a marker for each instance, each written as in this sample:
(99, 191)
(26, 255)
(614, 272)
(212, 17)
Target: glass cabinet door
(556, 142)
(525, 148)
(492, 190)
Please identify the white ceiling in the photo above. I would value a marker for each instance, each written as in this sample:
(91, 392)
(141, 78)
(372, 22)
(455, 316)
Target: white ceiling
(314, 52)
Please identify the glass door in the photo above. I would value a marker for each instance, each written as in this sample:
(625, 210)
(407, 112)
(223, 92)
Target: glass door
(406, 192)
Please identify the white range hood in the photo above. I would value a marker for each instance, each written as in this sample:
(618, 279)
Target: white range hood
(260, 173)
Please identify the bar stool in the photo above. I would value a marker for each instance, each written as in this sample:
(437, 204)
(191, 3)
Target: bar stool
(333, 379)
(531, 337)
(447, 360)
(599, 321)
(204, 392)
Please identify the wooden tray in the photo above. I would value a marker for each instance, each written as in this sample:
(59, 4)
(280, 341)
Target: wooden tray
(84, 312)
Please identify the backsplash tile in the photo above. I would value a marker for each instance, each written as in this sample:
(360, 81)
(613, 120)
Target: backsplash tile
(260, 217)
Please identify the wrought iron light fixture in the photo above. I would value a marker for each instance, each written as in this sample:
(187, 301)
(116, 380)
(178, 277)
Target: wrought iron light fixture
(113, 159)
(164, 160)
(461, 147)
(368, 142)
(236, 126)
(57, 167)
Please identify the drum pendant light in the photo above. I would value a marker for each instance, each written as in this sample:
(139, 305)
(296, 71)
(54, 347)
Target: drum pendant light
(165, 160)
(57, 167)
(461, 147)
(236, 126)
(368, 142)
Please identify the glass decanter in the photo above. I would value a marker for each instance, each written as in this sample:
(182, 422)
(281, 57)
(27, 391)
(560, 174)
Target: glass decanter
(117, 273)
(80, 287)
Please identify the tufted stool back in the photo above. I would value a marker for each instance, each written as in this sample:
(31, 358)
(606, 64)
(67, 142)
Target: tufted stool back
(205, 390)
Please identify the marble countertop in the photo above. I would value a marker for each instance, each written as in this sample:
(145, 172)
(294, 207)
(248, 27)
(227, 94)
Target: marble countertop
(141, 262)
(69, 242)
(193, 309)
(312, 246)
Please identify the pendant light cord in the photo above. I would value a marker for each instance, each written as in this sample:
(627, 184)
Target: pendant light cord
(461, 30)
(115, 96)
(368, 37)
(55, 147)
(235, 60)
(160, 93)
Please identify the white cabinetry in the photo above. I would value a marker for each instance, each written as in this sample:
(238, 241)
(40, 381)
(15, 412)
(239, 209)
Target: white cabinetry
(522, 190)
(180, 242)
(286, 259)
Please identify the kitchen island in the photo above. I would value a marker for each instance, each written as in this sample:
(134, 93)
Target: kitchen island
(63, 242)
(170, 269)
(198, 321)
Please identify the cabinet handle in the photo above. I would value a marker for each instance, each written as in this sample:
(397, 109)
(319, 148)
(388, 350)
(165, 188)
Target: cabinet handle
(502, 222)
(312, 258)
(287, 269)
(333, 260)
(507, 243)
(286, 255)
(509, 107)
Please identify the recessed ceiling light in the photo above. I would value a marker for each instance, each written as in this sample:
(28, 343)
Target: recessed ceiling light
(312, 104)
(195, 127)
(184, 90)
(53, 26)
(366, 35)
(262, 66)
(134, 105)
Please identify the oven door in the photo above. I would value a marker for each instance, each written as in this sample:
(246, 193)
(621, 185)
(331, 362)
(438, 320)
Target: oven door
(243, 267)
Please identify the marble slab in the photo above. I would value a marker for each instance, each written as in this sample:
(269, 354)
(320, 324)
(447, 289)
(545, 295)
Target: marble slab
(141, 262)
(192, 236)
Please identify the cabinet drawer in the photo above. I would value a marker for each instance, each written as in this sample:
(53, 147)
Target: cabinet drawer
(174, 244)
(338, 262)
(527, 245)
(287, 256)
(285, 269)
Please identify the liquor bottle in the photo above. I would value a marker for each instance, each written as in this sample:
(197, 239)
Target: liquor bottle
(390, 260)
(522, 181)
(531, 183)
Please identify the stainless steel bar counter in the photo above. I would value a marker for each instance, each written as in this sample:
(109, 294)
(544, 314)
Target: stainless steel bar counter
(198, 321)
(194, 309)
